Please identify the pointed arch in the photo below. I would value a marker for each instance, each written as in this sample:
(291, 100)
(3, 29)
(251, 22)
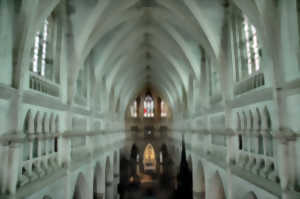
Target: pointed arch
(245, 125)
(81, 188)
(251, 120)
(98, 185)
(251, 128)
(216, 188)
(38, 123)
(29, 123)
(267, 119)
(108, 179)
(239, 122)
(244, 120)
(268, 134)
(27, 128)
(45, 124)
(201, 180)
(52, 123)
(108, 170)
(149, 159)
(260, 135)
(57, 127)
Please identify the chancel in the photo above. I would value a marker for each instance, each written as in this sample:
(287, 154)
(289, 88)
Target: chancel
(149, 158)
(140, 99)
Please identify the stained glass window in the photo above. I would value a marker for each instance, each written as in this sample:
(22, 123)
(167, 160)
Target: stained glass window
(148, 107)
(163, 109)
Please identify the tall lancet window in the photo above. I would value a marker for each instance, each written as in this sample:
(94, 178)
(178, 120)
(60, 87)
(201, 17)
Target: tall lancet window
(163, 109)
(247, 47)
(40, 50)
(252, 49)
(148, 106)
(46, 46)
(133, 109)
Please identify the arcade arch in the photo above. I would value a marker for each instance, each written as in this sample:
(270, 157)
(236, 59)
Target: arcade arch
(98, 183)
(201, 180)
(81, 188)
(216, 188)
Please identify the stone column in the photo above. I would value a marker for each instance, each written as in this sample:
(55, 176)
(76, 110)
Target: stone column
(13, 164)
(286, 159)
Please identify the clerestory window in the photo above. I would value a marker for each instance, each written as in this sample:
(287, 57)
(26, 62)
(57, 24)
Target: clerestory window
(40, 50)
(148, 107)
(247, 48)
(133, 109)
(45, 53)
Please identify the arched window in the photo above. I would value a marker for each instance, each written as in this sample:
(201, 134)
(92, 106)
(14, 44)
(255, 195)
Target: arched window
(42, 54)
(252, 48)
(163, 108)
(133, 109)
(46, 48)
(148, 106)
(149, 158)
(247, 47)
(40, 49)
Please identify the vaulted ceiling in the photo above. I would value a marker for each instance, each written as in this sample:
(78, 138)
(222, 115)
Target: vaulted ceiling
(135, 43)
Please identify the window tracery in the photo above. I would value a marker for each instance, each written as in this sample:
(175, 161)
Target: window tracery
(246, 47)
(253, 58)
(45, 69)
(41, 60)
(148, 106)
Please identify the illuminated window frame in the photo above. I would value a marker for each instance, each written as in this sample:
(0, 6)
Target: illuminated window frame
(133, 109)
(252, 48)
(148, 107)
(163, 107)
(40, 50)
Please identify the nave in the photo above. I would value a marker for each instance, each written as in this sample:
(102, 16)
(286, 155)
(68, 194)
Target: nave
(110, 99)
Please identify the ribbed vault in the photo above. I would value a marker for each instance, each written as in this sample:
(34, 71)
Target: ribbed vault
(136, 43)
